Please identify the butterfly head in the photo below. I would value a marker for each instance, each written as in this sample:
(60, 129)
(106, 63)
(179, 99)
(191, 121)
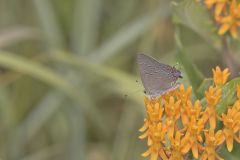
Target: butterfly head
(177, 73)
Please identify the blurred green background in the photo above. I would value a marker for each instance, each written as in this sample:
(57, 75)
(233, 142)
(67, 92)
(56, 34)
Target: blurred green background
(67, 66)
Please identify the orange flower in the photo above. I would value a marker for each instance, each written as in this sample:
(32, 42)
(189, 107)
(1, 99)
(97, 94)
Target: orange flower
(194, 110)
(210, 3)
(154, 116)
(183, 94)
(143, 129)
(156, 134)
(230, 22)
(176, 147)
(154, 111)
(191, 110)
(153, 129)
(220, 77)
(175, 124)
(212, 142)
(231, 122)
(220, 5)
(168, 95)
(172, 112)
(212, 97)
(193, 138)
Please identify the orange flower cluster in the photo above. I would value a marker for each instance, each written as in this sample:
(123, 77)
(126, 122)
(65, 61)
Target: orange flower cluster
(175, 126)
(226, 14)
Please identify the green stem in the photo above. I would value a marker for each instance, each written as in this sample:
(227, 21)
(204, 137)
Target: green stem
(228, 59)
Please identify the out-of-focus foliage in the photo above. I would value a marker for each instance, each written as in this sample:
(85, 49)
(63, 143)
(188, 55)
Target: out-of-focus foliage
(67, 66)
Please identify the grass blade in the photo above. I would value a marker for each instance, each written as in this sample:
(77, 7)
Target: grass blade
(85, 28)
(123, 80)
(49, 23)
(128, 34)
(48, 76)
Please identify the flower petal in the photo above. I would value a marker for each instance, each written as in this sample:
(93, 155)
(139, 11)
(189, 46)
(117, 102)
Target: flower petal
(233, 31)
(147, 153)
(229, 142)
(195, 150)
(219, 8)
(154, 156)
(223, 29)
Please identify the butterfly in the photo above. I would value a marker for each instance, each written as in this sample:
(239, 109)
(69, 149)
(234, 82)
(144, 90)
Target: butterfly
(157, 78)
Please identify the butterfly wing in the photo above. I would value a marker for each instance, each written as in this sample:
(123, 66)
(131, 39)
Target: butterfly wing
(156, 77)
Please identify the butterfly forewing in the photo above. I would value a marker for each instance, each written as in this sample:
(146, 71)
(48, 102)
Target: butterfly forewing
(152, 64)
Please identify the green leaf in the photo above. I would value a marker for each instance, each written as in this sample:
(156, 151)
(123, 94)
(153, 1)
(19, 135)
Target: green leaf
(204, 86)
(194, 16)
(234, 155)
(191, 70)
(228, 95)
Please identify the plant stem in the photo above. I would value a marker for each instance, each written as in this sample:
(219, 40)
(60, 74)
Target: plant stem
(228, 59)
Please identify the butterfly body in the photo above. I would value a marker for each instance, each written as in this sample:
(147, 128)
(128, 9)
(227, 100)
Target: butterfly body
(157, 78)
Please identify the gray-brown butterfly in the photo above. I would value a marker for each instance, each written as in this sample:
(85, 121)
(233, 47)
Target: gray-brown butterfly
(157, 78)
